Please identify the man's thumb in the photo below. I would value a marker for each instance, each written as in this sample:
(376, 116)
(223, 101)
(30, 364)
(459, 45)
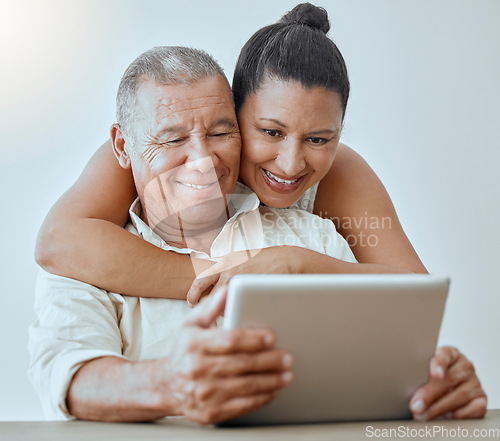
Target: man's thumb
(207, 311)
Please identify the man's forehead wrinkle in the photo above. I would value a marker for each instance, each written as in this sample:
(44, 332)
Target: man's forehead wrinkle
(172, 112)
(187, 104)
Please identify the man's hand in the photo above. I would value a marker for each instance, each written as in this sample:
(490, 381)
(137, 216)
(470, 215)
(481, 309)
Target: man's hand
(209, 376)
(453, 389)
(215, 374)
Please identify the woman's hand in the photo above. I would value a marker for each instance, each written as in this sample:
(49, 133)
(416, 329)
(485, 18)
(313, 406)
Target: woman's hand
(286, 259)
(453, 389)
(273, 260)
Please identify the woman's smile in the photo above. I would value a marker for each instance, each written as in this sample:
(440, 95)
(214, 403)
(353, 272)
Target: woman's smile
(280, 184)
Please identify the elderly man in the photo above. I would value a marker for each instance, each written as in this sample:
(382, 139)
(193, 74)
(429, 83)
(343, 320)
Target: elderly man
(99, 355)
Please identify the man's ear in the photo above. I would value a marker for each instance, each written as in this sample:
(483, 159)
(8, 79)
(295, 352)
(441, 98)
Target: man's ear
(118, 141)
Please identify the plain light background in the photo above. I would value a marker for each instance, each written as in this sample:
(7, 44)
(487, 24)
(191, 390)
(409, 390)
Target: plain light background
(424, 112)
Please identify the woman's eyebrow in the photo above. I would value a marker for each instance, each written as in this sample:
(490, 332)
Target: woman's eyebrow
(316, 132)
(319, 132)
(275, 121)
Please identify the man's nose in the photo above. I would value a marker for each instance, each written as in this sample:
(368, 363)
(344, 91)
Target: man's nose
(290, 158)
(200, 157)
(202, 165)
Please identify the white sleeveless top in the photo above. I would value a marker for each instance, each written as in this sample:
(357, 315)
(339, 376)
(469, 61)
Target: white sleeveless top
(306, 201)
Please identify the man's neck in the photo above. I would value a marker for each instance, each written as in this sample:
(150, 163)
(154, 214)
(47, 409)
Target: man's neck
(181, 234)
(201, 242)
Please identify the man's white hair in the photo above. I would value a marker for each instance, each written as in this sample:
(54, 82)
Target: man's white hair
(168, 65)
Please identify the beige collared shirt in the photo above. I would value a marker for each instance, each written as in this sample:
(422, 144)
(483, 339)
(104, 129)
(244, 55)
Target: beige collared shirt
(77, 322)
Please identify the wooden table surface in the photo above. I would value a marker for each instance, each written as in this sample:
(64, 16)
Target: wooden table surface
(181, 429)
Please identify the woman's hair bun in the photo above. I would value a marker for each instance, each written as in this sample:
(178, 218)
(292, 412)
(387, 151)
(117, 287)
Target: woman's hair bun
(308, 14)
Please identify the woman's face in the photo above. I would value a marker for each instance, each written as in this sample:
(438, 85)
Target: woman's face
(290, 135)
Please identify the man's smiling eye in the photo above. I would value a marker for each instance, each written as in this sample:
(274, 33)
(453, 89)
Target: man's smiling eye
(173, 142)
(272, 132)
(220, 134)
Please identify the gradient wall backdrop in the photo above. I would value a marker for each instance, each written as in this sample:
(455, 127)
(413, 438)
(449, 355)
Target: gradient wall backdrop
(424, 113)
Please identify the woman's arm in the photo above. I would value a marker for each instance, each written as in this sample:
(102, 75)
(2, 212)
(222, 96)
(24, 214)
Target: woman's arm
(357, 202)
(83, 237)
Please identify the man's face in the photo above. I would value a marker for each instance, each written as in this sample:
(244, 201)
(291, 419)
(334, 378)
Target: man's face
(186, 154)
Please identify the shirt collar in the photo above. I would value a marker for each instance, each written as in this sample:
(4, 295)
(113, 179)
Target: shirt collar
(243, 200)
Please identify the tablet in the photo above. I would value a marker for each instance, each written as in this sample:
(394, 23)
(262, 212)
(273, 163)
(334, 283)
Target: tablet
(361, 343)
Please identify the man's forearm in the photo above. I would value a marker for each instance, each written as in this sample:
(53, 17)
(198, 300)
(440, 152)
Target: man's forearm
(113, 389)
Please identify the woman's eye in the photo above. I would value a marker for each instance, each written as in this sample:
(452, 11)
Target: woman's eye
(316, 141)
(273, 133)
(220, 134)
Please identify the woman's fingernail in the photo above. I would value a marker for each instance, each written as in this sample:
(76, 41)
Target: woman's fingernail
(418, 406)
(287, 377)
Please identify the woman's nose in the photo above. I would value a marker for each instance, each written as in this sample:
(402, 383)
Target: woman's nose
(290, 158)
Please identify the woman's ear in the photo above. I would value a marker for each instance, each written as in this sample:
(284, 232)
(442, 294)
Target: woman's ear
(118, 141)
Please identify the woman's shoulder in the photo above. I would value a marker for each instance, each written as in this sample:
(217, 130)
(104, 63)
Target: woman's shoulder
(346, 160)
(348, 178)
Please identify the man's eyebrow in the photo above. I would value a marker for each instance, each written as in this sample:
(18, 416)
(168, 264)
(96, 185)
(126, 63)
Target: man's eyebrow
(169, 130)
(225, 122)
(157, 137)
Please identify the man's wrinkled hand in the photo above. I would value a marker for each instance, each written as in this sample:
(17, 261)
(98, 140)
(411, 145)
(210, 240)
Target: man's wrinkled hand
(217, 374)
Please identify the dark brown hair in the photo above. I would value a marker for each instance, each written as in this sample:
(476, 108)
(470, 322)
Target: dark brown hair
(296, 48)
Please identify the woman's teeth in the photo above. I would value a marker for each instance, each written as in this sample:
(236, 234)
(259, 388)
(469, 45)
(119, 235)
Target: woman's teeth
(281, 181)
